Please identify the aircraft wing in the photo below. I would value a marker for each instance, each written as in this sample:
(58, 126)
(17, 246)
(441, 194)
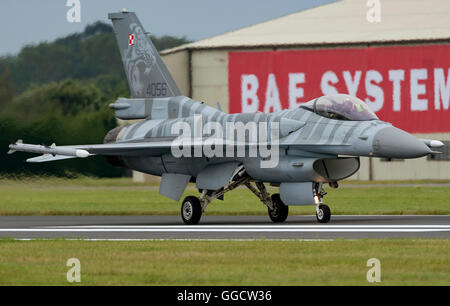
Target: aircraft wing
(147, 148)
(128, 149)
(53, 152)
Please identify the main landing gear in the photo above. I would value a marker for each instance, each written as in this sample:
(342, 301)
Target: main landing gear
(192, 207)
(191, 210)
(279, 211)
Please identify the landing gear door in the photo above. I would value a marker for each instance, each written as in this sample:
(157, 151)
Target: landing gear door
(216, 176)
(173, 185)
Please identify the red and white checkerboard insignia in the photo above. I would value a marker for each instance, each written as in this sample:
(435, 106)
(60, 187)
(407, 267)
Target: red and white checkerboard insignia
(131, 39)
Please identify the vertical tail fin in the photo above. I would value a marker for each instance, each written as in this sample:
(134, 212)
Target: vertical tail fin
(147, 75)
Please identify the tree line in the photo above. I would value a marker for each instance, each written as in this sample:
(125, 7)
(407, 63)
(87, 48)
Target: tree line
(59, 92)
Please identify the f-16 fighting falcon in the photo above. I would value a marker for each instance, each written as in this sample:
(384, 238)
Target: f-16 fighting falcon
(183, 140)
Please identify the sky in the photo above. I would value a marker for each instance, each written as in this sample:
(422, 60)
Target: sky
(24, 22)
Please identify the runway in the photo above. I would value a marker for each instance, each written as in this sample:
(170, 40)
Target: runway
(223, 227)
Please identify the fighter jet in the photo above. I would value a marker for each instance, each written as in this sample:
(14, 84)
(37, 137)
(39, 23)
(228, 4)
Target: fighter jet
(182, 140)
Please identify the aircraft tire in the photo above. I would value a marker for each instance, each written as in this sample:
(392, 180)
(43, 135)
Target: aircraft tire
(191, 210)
(324, 214)
(280, 212)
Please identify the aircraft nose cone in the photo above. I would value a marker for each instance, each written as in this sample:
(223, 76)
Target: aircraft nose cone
(394, 143)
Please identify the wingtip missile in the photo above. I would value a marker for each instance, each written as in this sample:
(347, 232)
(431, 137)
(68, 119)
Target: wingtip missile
(12, 146)
(11, 150)
(53, 149)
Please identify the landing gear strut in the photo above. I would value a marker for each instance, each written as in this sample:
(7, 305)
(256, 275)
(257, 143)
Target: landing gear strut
(193, 207)
(323, 212)
(278, 211)
(198, 205)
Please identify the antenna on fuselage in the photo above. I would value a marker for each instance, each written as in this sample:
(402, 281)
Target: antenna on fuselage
(218, 106)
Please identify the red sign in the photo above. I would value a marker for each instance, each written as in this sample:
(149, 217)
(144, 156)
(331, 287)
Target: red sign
(131, 39)
(408, 86)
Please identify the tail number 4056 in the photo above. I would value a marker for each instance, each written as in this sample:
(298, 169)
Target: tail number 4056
(157, 89)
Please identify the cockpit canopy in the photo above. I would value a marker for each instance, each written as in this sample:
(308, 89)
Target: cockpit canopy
(341, 107)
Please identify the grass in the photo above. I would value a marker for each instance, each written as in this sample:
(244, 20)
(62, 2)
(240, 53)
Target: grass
(259, 262)
(338, 262)
(88, 196)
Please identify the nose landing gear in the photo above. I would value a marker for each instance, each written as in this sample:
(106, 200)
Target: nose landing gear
(323, 212)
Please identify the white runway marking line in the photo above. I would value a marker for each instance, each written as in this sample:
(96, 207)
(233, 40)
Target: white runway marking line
(239, 228)
(78, 230)
(177, 239)
(245, 226)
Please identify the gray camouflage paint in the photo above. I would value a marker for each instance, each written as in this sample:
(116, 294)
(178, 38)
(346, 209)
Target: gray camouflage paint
(307, 141)
(317, 131)
(143, 66)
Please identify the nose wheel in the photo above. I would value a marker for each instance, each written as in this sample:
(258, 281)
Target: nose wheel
(323, 213)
